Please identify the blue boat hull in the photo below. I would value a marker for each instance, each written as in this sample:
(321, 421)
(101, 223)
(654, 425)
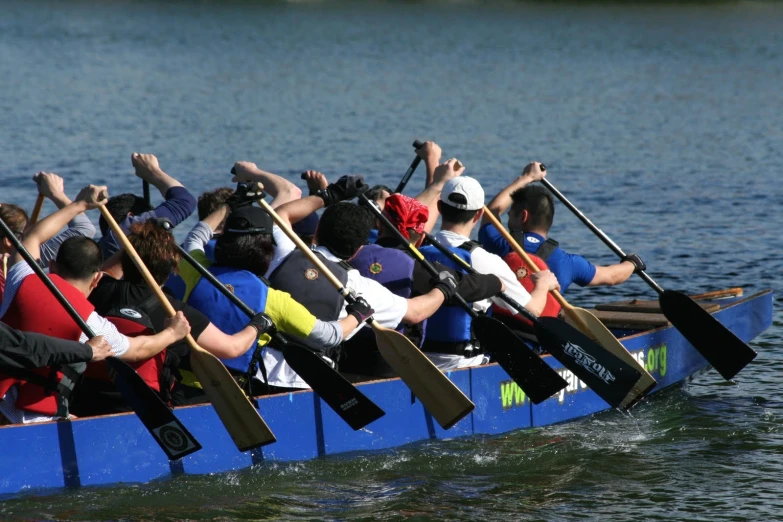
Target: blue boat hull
(117, 448)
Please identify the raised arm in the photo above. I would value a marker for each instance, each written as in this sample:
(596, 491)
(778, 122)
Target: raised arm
(48, 227)
(281, 190)
(52, 186)
(148, 169)
(500, 203)
(431, 195)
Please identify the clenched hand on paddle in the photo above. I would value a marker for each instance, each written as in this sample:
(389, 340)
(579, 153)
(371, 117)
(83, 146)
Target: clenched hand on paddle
(726, 352)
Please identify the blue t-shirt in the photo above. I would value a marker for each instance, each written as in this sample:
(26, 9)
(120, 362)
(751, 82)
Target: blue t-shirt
(568, 268)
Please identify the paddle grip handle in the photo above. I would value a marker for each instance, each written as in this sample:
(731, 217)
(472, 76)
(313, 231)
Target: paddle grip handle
(408, 173)
(412, 249)
(46, 280)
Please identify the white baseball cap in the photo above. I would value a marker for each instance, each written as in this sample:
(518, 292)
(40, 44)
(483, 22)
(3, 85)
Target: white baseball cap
(464, 193)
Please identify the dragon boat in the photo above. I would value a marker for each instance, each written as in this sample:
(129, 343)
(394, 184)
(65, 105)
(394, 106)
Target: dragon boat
(118, 449)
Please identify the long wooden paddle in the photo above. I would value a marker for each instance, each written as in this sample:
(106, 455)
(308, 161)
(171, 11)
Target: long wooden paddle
(39, 201)
(167, 430)
(436, 392)
(726, 352)
(408, 173)
(611, 378)
(241, 419)
(536, 378)
(343, 397)
(586, 322)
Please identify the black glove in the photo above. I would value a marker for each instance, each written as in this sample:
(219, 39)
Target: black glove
(347, 187)
(446, 283)
(637, 262)
(263, 324)
(360, 309)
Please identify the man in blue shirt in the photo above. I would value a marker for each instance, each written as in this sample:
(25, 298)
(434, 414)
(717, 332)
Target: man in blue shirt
(529, 220)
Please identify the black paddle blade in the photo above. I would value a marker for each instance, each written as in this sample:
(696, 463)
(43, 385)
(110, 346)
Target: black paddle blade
(343, 397)
(536, 378)
(726, 352)
(605, 374)
(167, 430)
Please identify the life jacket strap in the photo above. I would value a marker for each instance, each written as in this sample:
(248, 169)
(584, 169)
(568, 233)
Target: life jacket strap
(547, 248)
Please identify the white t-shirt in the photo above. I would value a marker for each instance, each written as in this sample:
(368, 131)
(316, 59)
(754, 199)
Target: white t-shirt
(487, 263)
(98, 324)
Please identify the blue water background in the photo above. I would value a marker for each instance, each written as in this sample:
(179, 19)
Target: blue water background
(661, 121)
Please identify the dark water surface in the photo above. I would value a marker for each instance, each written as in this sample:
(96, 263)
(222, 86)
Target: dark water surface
(662, 122)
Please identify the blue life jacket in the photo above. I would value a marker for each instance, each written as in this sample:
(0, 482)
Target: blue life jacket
(450, 324)
(391, 267)
(223, 313)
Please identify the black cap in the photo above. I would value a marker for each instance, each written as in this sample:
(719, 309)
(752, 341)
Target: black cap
(249, 220)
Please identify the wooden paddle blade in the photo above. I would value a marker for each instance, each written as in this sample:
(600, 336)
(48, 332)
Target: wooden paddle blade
(241, 419)
(441, 397)
(726, 352)
(167, 430)
(592, 327)
(611, 378)
(343, 397)
(536, 378)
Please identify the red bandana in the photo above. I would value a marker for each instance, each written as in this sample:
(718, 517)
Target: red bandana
(406, 213)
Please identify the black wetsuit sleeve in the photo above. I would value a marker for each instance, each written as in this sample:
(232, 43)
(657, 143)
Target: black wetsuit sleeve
(471, 287)
(31, 350)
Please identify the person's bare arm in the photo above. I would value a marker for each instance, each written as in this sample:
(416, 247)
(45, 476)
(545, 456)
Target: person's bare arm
(225, 346)
(431, 195)
(143, 347)
(544, 282)
(500, 203)
(423, 306)
(148, 169)
(612, 274)
(48, 227)
(431, 153)
(281, 190)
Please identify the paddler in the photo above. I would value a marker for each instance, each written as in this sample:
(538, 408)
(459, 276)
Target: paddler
(530, 216)
(449, 342)
(29, 306)
(389, 263)
(342, 230)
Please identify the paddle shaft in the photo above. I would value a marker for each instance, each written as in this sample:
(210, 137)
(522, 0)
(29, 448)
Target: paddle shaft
(47, 281)
(413, 250)
(153, 413)
(598, 232)
(39, 201)
(441, 397)
(146, 188)
(415, 163)
(502, 295)
(228, 399)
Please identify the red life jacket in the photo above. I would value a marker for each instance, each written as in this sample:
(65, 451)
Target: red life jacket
(35, 309)
(523, 273)
(132, 322)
